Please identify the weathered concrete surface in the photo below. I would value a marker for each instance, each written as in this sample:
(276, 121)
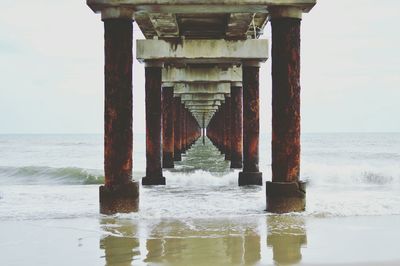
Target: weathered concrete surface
(200, 6)
(202, 88)
(284, 197)
(203, 108)
(118, 120)
(251, 127)
(202, 51)
(202, 97)
(236, 127)
(202, 103)
(168, 127)
(121, 198)
(118, 102)
(286, 100)
(153, 127)
(201, 75)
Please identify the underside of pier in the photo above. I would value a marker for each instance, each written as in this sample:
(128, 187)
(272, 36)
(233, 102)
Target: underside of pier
(202, 61)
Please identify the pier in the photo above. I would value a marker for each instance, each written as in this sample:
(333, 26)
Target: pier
(202, 65)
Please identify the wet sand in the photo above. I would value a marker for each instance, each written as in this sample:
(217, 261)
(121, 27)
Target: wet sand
(251, 240)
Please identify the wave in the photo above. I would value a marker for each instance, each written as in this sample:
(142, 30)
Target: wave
(28, 175)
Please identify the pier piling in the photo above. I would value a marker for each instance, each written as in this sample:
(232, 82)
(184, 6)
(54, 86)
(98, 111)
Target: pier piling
(168, 127)
(251, 126)
(153, 125)
(285, 193)
(119, 193)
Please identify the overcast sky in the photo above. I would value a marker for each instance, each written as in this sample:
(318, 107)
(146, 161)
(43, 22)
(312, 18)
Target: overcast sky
(51, 68)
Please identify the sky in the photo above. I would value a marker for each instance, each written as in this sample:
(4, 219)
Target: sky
(51, 68)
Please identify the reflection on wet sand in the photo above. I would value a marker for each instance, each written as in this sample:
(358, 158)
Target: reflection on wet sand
(172, 242)
(121, 246)
(286, 236)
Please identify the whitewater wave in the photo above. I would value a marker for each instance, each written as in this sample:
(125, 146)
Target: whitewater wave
(29, 175)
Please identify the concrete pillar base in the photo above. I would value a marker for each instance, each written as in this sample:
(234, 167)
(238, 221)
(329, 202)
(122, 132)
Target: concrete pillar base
(283, 197)
(123, 198)
(236, 165)
(153, 181)
(250, 178)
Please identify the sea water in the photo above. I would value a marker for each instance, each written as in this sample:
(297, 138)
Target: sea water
(54, 179)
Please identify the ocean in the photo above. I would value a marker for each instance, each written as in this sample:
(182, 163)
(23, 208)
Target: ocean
(49, 196)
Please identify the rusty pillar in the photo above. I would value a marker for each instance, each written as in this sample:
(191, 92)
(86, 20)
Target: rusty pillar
(183, 133)
(227, 131)
(221, 126)
(177, 129)
(204, 130)
(153, 126)
(250, 174)
(236, 127)
(119, 193)
(285, 193)
(168, 127)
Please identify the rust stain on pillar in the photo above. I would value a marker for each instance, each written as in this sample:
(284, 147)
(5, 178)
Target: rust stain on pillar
(227, 132)
(119, 194)
(286, 100)
(177, 129)
(153, 127)
(183, 132)
(168, 127)
(250, 174)
(285, 193)
(250, 118)
(221, 126)
(236, 127)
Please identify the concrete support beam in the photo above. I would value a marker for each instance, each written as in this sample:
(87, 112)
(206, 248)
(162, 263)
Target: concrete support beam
(286, 193)
(200, 6)
(195, 107)
(153, 127)
(201, 74)
(168, 127)
(119, 193)
(202, 103)
(251, 127)
(202, 51)
(201, 88)
(202, 97)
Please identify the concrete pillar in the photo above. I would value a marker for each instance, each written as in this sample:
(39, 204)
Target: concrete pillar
(153, 126)
(168, 127)
(120, 193)
(221, 127)
(177, 129)
(285, 193)
(250, 174)
(183, 133)
(236, 126)
(227, 132)
(204, 130)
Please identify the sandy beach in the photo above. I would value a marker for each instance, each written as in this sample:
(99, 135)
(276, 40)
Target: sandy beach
(252, 240)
